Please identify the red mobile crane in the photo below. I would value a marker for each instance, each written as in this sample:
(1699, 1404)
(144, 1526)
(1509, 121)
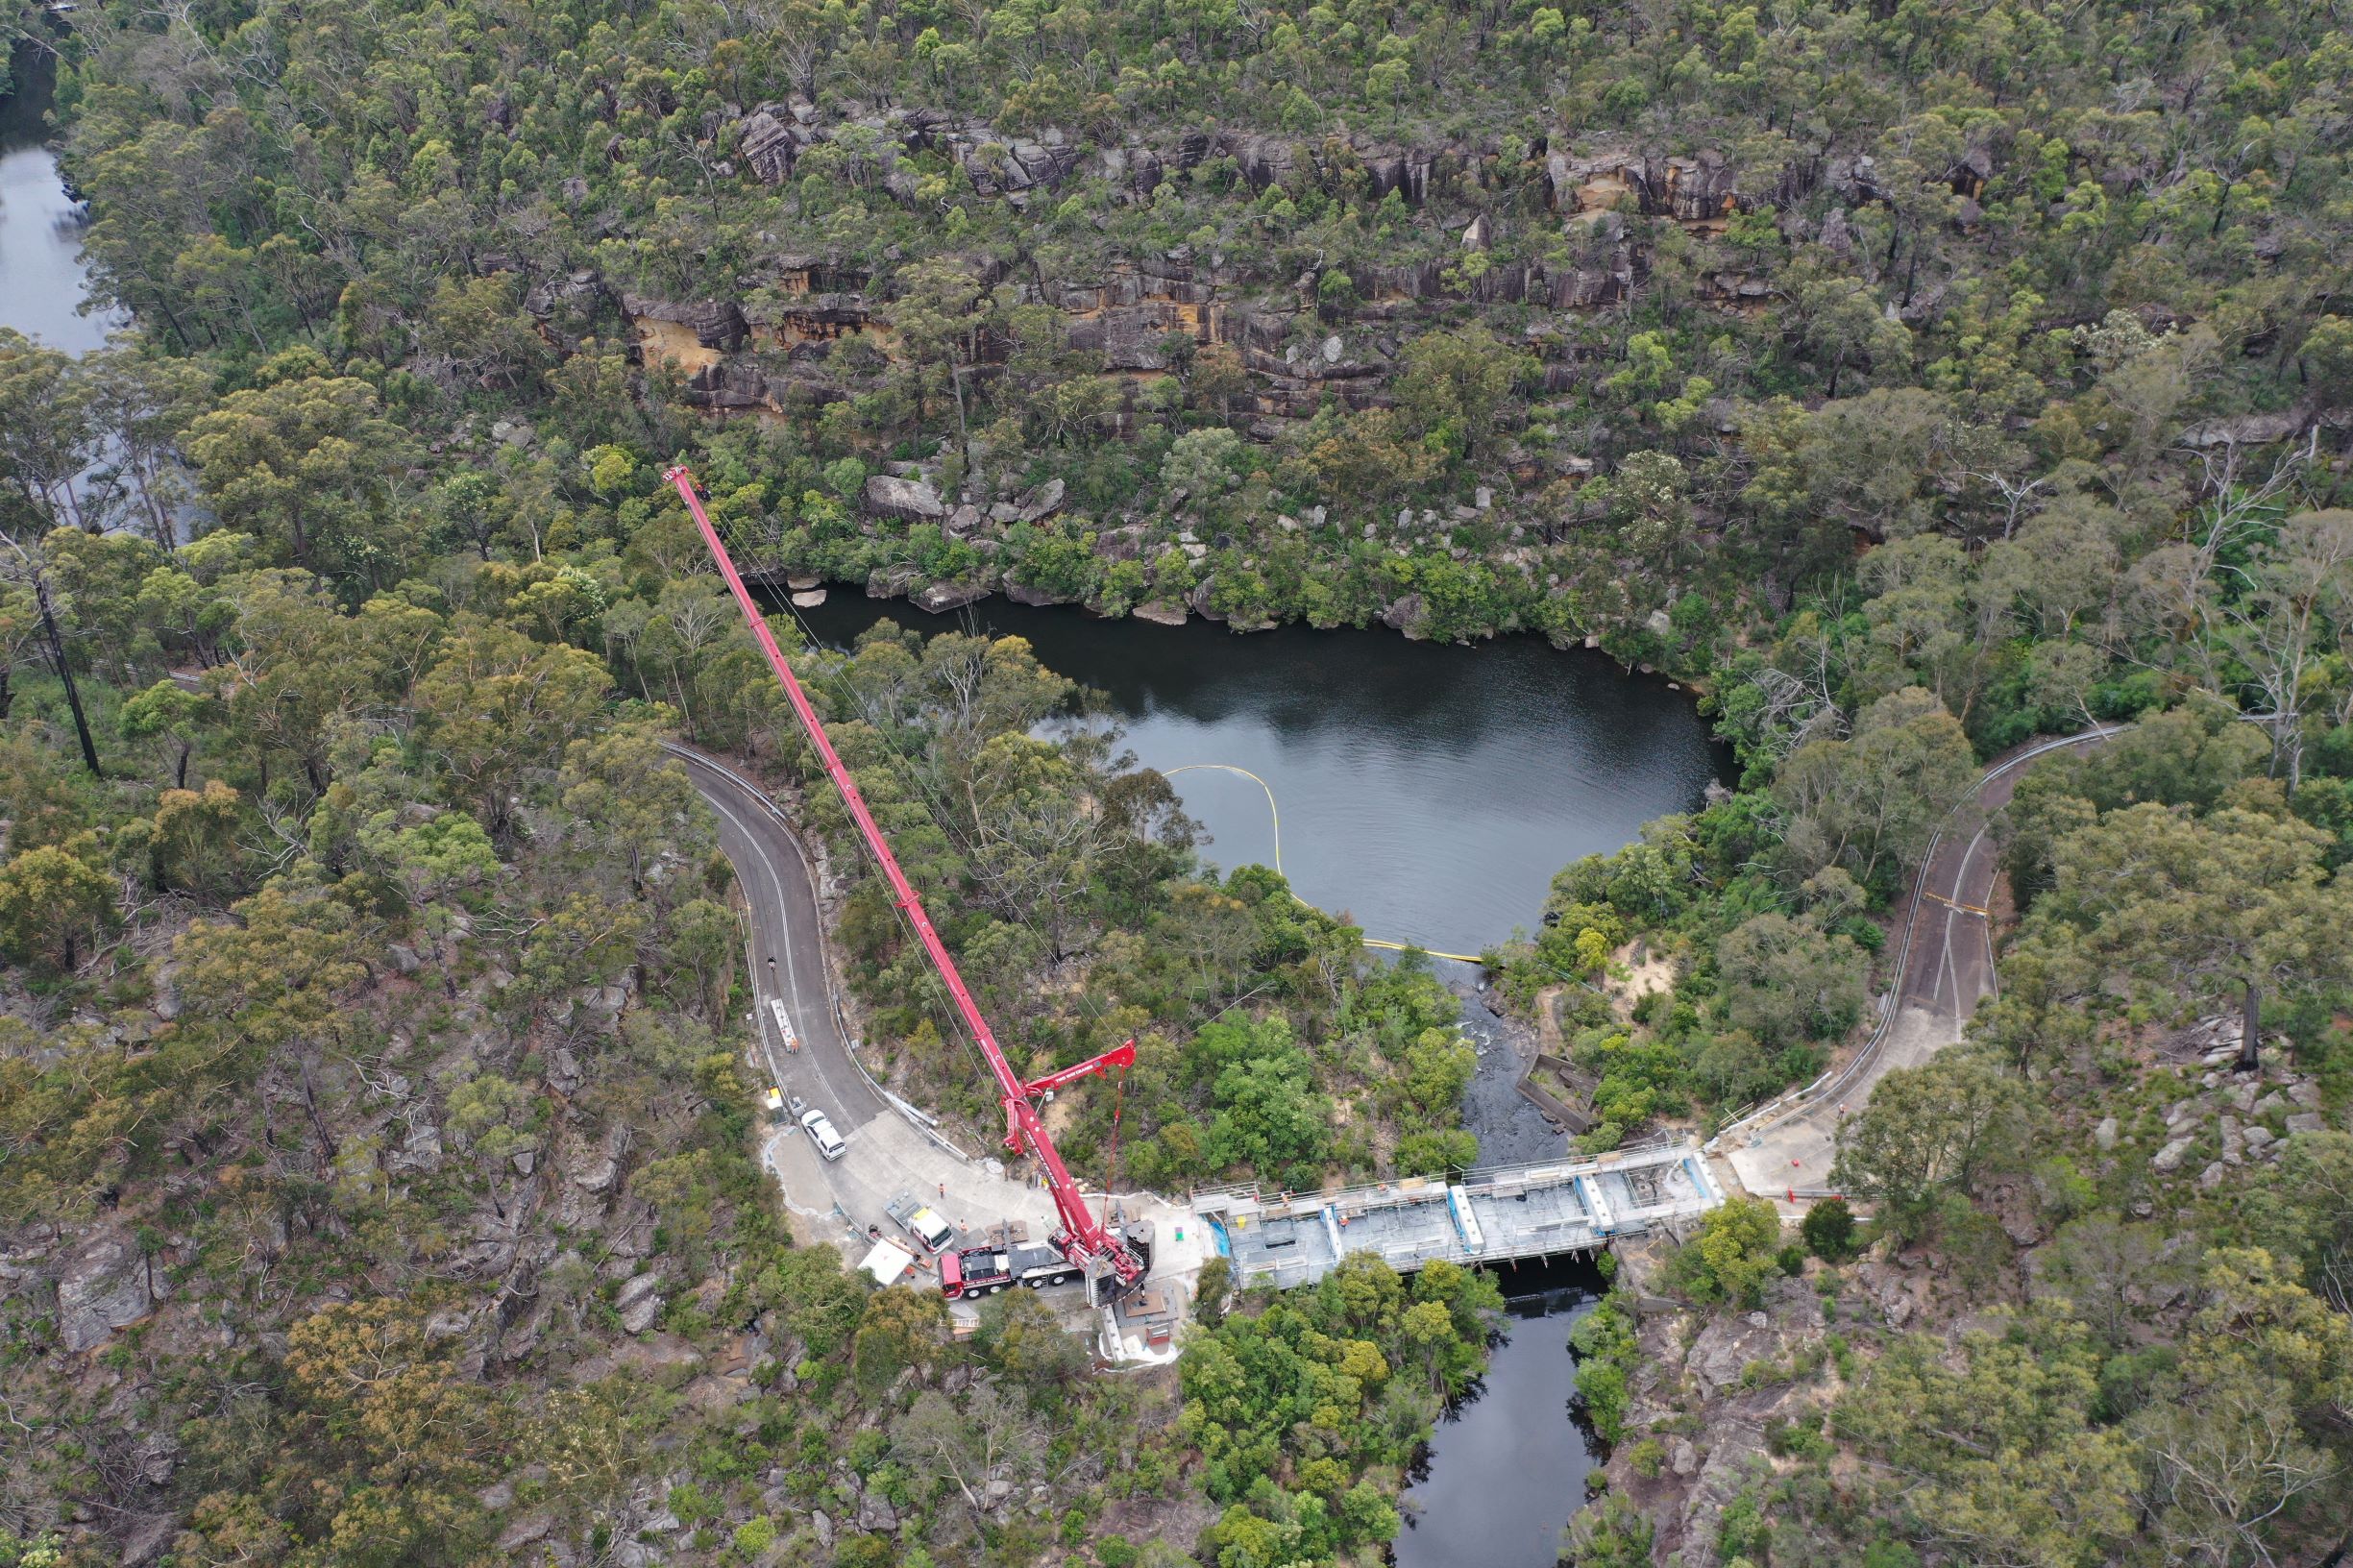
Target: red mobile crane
(1087, 1243)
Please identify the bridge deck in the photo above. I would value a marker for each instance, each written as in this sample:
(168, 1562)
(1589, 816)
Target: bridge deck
(1562, 1205)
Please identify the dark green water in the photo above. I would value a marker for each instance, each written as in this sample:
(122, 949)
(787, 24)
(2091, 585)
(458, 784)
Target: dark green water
(1507, 1466)
(1429, 792)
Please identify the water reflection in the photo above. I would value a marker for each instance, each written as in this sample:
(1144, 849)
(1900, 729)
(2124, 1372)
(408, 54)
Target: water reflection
(1432, 791)
(1507, 1466)
(42, 280)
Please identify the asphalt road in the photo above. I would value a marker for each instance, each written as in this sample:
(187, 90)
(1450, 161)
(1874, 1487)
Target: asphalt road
(787, 948)
(1945, 969)
(888, 1153)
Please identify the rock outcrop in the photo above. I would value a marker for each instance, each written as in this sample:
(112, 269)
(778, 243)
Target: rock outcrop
(105, 1283)
(890, 496)
(1140, 314)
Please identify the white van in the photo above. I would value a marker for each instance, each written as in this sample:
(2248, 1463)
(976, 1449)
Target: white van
(828, 1142)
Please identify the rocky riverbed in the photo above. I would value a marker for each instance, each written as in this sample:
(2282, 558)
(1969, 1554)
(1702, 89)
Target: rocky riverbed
(1509, 1128)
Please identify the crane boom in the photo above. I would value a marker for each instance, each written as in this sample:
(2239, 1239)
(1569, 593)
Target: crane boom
(1025, 1131)
(1119, 1056)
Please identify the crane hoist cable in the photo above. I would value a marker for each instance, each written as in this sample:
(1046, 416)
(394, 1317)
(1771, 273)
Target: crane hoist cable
(1083, 1238)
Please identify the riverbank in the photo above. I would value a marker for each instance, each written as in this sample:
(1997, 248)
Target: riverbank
(1636, 652)
(1506, 1469)
(41, 224)
(1425, 792)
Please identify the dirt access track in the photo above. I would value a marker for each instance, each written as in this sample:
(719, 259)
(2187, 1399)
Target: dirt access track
(1943, 969)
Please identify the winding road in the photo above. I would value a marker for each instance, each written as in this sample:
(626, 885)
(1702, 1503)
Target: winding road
(1943, 970)
(889, 1152)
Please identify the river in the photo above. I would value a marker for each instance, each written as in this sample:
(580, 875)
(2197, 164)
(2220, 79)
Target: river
(42, 281)
(1428, 791)
(1431, 792)
(1507, 1466)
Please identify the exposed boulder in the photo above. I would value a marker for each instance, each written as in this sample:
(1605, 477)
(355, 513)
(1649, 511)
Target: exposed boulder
(596, 1168)
(2248, 429)
(1041, 502)
(527, 1529)
(1856, 180)
(1263, 161)
(144, 1536)
(769, 145)
(730, 384)
(1130, 543)
(1837, 235)
(104, 1284)
(938, 598)
(1030, 163)
(419, 1151)
(1406, 173)
(889, 496)
(717, 324)
(1688, 190)
(639, 1302)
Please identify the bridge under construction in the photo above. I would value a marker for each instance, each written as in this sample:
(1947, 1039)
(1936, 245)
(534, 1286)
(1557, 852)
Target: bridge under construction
(1537, 1210)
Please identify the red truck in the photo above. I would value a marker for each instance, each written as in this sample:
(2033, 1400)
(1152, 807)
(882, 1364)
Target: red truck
(983, 1271)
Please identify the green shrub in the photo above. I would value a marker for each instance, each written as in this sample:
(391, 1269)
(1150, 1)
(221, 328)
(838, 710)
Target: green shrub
(1797, 1441)
(1737, 1247)
(1606, 1353)
(1828, 1228)
(1742, 1530)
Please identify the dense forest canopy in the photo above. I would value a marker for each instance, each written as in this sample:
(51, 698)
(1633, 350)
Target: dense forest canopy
(1695, 295)
(377, 1174)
